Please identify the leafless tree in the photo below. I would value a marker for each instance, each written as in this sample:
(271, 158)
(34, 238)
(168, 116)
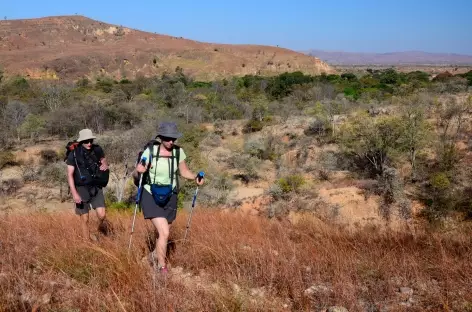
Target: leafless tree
(55, 97)
(15, 114)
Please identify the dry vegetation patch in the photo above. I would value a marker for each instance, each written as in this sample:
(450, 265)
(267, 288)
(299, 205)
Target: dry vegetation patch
(232, 262)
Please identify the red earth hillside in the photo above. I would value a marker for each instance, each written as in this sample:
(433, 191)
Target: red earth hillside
(69, 47)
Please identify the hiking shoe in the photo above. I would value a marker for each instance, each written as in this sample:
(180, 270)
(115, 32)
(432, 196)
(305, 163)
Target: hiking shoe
(93, 238)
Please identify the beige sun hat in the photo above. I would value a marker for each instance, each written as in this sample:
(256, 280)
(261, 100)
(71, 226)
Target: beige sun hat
(85, 134)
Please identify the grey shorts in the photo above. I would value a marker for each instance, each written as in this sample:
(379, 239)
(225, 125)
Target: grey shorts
(151, 210)
(91, 199)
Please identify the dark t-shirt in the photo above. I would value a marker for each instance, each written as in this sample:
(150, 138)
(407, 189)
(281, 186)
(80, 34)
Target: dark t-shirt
(99, 154)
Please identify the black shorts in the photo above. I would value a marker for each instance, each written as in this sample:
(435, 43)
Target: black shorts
(151, 210)
(92, 198)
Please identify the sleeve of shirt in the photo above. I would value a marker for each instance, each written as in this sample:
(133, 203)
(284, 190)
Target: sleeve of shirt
(145, 155)
(70, 159)
(183, 156)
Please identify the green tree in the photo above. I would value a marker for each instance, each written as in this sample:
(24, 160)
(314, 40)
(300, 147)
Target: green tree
(32, 126)
(417, 131)
(260, 108)
(349, 77)
(373, 142)
(15, 114)
(451, 126)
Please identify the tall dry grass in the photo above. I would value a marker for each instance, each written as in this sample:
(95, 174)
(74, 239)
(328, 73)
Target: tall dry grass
(231, 262)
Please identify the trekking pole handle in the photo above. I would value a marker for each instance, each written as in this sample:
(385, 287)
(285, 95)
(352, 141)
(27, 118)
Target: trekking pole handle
(200, 176)
(138, 196)
(143, 161)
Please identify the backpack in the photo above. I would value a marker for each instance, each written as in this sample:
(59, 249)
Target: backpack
(150, 146)
(87, 166)
(71, 146)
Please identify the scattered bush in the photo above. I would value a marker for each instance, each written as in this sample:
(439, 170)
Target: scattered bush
(246, 165)
(30, 174)
(318, 128)
(253, 126)
(7, 159)
(262, 148)
(216, 190)
(291, 183)
(10, 186)
(54, 173)
(48, 156)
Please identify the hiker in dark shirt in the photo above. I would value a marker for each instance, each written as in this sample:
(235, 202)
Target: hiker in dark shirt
(87, 174)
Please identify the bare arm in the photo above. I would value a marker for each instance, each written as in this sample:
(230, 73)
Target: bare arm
(103, 164)
(187, 174)
(70, 179)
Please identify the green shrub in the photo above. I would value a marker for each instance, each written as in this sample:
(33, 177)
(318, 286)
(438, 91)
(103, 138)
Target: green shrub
(120, 206)
(291, 183)
(440, 181)
(253, 126)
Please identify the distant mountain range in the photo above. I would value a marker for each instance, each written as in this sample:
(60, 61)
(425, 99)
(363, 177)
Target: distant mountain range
(393, 58)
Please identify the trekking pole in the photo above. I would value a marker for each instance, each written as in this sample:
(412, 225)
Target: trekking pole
(138, 199)
(200, 176)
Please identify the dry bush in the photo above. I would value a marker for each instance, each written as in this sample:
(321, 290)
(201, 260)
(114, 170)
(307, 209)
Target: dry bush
(49, 156)
(7, 159)
(247, 166)
(231, 263)
(54, 173)
(10, 186)
(216, 190)
(29, 172)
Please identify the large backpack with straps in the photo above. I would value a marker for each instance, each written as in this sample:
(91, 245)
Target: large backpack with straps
(150, 146)
(87, 166)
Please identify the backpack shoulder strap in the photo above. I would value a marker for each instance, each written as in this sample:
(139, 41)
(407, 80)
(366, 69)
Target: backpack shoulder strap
(151, 152)
(177, 156)
(76, 163)
(149, 146)
(93, 153)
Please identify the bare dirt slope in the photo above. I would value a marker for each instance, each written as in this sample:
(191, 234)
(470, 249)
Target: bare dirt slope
(76, 46)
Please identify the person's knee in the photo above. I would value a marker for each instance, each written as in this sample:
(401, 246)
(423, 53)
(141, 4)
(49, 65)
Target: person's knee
(101, 213)
(163, 233)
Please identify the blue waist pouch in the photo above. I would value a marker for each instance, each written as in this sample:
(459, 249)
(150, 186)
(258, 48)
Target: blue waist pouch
(161, 193)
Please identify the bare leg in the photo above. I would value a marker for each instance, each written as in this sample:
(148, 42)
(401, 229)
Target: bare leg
(84, 220)
(162, 227)
(103, 225)
(101, 213)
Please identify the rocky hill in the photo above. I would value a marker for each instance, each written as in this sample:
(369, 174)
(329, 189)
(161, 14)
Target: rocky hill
(69, 47)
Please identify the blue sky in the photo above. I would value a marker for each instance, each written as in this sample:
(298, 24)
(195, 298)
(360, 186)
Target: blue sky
(341, 25)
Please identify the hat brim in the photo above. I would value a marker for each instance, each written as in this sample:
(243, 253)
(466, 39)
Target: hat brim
(171, 135)
(85, 138)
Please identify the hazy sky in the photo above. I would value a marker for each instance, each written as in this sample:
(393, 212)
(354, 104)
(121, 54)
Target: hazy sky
(347, 25)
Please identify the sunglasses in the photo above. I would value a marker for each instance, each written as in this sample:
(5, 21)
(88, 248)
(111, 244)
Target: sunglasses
(167, 139)
(88, 141)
